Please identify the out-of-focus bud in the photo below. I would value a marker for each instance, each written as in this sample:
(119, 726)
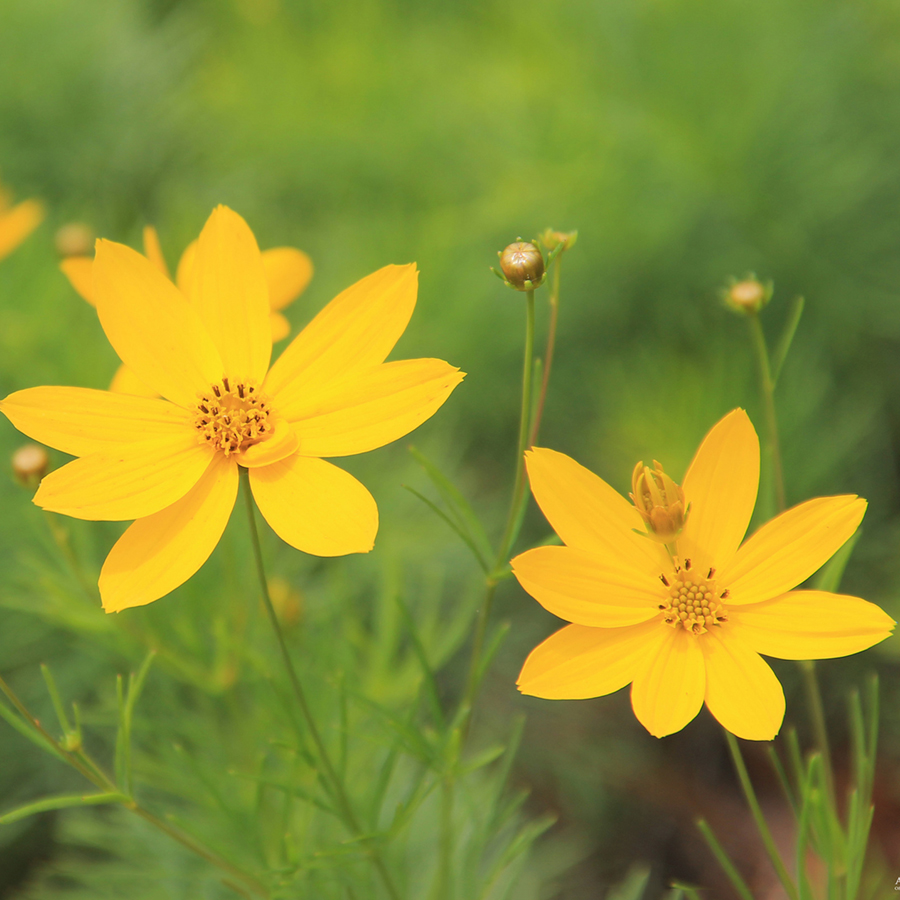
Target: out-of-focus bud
(522, 264)
(287, 600)
(659, 500)
(29, 464)
(75, 239)
(748, 296)
(564, 239)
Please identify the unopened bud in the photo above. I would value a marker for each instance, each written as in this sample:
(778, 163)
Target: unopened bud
(287, 600)
(659, 500)
(552, 239)
(29, 464)
(748, 296)
(75, 239)
(522, 264)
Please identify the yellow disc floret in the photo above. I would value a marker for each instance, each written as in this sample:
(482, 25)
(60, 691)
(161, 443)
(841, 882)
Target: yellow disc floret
(694, 601)
(232, 416)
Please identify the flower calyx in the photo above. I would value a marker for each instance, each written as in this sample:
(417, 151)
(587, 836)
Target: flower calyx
(660, 502)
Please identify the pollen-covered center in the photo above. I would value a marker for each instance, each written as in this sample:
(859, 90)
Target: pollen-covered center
(694, 602)
(232, 416)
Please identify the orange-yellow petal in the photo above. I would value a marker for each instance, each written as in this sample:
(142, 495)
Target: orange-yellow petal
(78, 269)
(229, 291)
(742, 692)
(315, 506)
(159, 552)
(156, 333)
(370, 408)
(281, 444)
(811, 625)
(185, 268)
(18, 223)
(790, 547)
(578, 662)
(128, 482)
(355, 331)
(667, 692)
(153, 250)
(126, 382)
(588, 514)
(82, 421)
(288, 272)
(587, 589)
(280, 326)
(720, 486)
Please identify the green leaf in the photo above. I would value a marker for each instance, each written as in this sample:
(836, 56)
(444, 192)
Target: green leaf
(632, 886)
(431, 688)
(63, 801)
(830, 575)
(787, 337)
(28, 730)
(55, 698)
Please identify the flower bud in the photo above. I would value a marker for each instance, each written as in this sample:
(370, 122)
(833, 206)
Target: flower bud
(75, 239)
(288, 601)
(552, 239)
(659, 500)
(29, 464)
(523, 265)
(748, 296)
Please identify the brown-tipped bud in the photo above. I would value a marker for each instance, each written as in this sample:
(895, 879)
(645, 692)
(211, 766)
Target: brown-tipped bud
(522, 264)
(75, 239)
(29, 464)
(287, 600)
(748, 296)
(552, 239)
(659, 500)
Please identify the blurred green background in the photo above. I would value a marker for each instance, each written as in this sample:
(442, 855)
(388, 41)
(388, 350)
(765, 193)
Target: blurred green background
(686, 140)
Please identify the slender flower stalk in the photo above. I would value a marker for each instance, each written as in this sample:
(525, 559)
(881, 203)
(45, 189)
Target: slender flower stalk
(548, 352)
(336, 783)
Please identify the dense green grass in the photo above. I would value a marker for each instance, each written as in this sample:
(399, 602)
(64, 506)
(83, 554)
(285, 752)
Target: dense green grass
(687, 141)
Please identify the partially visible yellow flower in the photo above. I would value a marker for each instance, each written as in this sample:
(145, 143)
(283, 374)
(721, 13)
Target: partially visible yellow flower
(17, 222)
(288, 271)
(689, 628)
(172, 464)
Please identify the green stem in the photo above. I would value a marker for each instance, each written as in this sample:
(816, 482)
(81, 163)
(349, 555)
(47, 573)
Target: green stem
(513, 519)
(758, 817)
(548, 353)
(85, 766)
(337, 785)
(61, 539)
(817, 713)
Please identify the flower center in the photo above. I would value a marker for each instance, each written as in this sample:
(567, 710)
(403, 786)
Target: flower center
(233, 416)
(693, 601)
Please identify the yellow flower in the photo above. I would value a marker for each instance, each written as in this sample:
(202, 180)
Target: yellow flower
(172, 464)
(689, 629)
(288, 271)
(17, 222)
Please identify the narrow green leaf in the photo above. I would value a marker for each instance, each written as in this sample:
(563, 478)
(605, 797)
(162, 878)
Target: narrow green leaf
(64, 801)
(728, 867)
(28, 731)
(787, 337)
(55, 698)
(135, 687)
(687, 889)
(830, 575)
(482, 759)
(431, 688)
(632, 886)
(775, 759)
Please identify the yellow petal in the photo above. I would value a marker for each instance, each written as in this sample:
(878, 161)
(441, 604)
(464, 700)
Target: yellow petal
(228, 289)
(586, 589)
(129, 482)
(588, 514)
(370, 408)
(81, 421)
(280, 326)
(315, 506)
(288, 272)
(282, 443)
(742, 692)
(153, 251)
(667, 692)
(151, 326)
(811, 625)
(720, 487)
(17, 224)
(159, 552)
(355, 331)
(578, 662)
(790, 547)
(185, 268)
(78, 269)
(126, 382)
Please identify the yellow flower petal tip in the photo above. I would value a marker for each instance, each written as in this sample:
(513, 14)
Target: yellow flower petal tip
(17, 223)
(686, 620)
(195, 401)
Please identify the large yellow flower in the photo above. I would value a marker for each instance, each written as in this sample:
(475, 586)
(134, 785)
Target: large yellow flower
(288, 272)
(687, 624)
(17, 222)
(172, 464)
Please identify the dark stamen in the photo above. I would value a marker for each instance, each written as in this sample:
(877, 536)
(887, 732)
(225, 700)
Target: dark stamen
(711, 572)
(687, 565)
(724, 594)
(664, 580)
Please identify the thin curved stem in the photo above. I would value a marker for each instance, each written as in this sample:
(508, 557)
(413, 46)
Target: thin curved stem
(346, 808)
(548, 353)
